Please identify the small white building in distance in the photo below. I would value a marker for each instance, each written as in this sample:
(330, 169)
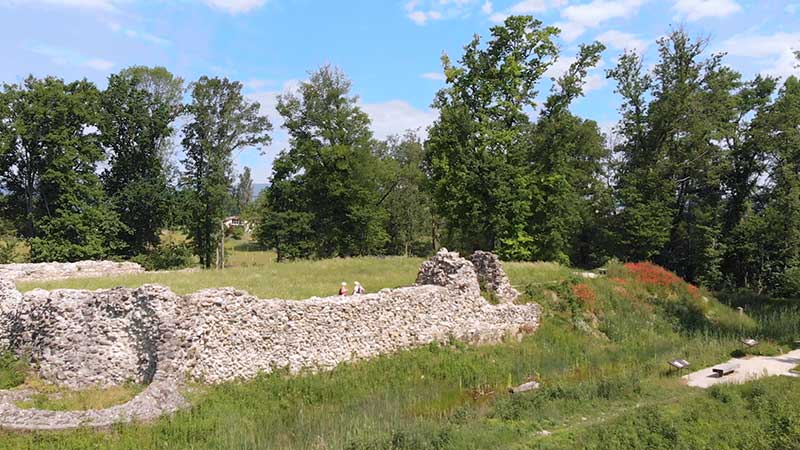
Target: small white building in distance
(236, 221)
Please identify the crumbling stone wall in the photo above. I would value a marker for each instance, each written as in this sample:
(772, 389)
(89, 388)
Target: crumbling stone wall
(234, 335)
(492, 276)
(107, 337)
(82, 338)
(56, 271)
(449, 269)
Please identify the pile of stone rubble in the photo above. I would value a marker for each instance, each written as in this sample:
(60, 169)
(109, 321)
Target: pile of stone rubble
(57, 271)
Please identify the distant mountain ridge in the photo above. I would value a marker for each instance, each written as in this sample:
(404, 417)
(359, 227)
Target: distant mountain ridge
(258, 187)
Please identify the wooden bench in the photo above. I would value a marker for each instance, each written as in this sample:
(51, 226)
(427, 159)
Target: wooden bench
(725, 369)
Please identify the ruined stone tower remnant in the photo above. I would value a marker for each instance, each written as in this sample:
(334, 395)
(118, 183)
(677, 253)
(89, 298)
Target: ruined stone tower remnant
(484, 269)
(492, 276)
(449, 269)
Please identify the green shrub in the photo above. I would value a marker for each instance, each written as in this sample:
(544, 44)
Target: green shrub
(12, 371)
(167, 256)
(234, 232)
(7, 250)
(791, 282)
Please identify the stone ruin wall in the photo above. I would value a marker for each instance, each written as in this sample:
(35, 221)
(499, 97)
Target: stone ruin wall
(492, 277)
(57, 271)
(106, 337)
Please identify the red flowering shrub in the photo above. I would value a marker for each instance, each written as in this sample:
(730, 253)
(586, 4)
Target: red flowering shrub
(585, 295)
(618, 280)
(694, 291)
(651, 274)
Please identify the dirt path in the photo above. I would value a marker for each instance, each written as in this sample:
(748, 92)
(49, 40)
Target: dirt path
(749, 370)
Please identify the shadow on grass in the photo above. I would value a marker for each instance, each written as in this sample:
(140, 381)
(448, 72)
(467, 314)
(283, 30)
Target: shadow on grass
(248, 247)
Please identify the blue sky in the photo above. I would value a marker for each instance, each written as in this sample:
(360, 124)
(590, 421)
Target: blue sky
(390, 49)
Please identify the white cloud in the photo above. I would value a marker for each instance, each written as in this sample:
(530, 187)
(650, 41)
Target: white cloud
(423, 11)
(569, 30)
(140, 35)
(236, 6)
(269, 99)
(421, 18)
(594, 82)
(63, 56)
(774, 53)
(436, 76)
(396, 116)
(258, 84)
(528, 7)
(523, 7)
(87, 4)
(559, 67)
(101, 65)
(698, 9)
(487, 8)
(498, 17)
(579, 18)
(622, 41)
(230, 6)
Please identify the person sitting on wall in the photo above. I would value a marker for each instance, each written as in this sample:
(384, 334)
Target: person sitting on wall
(359, 289)
(343, 289)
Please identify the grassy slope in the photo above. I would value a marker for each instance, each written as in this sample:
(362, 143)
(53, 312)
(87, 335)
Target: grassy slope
(605, 387)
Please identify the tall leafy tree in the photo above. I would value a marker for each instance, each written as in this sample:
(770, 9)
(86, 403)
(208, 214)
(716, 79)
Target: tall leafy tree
(503, 182)
(404, 196)
(671, 188)
(136, 128)
(243, 193)
(565, 154)
(474, 156)
(222, 122)
(323, 199)
(765, 242)
(48, 165)
(166, 89)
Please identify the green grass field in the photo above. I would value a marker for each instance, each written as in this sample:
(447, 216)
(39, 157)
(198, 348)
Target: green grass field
(257, 273)
(600, 355)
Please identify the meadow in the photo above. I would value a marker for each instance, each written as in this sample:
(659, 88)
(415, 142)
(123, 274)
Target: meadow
(600, 355)
(258, 272)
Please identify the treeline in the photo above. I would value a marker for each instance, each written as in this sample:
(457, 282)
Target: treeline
(701, 175)
(90, 174)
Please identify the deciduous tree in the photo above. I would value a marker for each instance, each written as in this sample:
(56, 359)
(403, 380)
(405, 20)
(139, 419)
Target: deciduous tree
(323, 199)
(49, 152)
(138, 109)
(222, 122)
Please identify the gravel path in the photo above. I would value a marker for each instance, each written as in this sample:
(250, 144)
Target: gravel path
(749, 370)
